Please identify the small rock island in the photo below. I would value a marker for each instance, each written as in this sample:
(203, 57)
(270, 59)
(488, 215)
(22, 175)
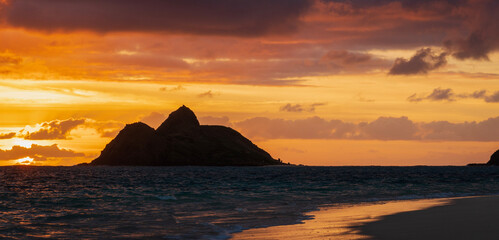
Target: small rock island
(494, 161)
(181, 141)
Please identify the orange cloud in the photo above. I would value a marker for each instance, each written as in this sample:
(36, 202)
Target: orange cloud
(61, 129)
(38, 153)
(55, 129)
(383, 128)
(7, 135)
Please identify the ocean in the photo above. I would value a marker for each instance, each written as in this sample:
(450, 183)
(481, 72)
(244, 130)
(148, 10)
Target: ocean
(205, 202)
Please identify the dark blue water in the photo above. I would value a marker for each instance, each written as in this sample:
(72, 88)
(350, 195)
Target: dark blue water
(204, 202)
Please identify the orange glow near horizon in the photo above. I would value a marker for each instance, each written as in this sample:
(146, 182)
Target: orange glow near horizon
(25, 161)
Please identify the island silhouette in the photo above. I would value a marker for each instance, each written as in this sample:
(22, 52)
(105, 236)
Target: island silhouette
(494, 161)
(180, 141)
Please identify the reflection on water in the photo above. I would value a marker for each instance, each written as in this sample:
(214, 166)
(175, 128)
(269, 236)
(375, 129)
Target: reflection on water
(336, 222)
(204, 202)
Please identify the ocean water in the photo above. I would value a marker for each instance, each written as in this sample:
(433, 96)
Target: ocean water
(204, 202)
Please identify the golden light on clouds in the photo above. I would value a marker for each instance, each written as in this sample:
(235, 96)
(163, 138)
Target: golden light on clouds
(21, 142)
(25, 161)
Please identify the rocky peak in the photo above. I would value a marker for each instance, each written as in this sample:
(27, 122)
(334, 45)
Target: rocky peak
(137, 130)
(494, 159)
(178, 121)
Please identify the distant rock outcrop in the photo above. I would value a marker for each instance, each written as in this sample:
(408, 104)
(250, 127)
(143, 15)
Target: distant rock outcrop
(181, 140)
(494, 159)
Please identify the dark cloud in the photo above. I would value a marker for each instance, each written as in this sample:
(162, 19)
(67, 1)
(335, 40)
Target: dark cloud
(478, 94)
(466, 29)
(494, 98)
(469, 29)
(205, 17)
(56, 129)
(440, 94)
(422, 62)
(483, 21)
(448, 94)
(390, 24)
(38, 152)
(7, 135)
(292, 108)
(300, 107)
(474, 47)
(383, 128)
(434, 5)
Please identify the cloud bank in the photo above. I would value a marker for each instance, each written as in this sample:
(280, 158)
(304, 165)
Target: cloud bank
(38, 152)
(383, 128)
(207, 17)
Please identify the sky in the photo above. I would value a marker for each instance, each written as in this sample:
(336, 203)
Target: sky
(314, 82)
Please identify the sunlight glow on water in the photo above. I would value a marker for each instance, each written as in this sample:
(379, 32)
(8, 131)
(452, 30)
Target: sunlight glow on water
(338, 222)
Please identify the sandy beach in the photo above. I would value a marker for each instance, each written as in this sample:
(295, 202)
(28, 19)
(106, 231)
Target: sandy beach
(449, 218)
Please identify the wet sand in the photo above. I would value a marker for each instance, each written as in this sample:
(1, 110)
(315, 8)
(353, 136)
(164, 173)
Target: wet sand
(456, 218)
(464, 218)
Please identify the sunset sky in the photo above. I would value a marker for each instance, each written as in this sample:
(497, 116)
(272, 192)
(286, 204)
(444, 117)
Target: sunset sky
(331, 82)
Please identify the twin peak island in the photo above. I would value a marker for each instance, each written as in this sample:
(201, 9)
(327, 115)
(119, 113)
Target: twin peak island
(182, 141)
